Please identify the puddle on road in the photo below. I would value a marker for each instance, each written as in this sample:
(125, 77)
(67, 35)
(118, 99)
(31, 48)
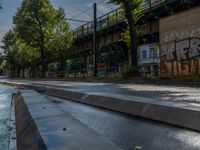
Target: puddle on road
(5, 107)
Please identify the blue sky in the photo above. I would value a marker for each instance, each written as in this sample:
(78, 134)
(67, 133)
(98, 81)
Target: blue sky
(71, 7)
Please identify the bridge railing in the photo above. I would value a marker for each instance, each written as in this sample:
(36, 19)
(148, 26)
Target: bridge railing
(152, 3)
(82, 30)
(111, 18)
(104, 21)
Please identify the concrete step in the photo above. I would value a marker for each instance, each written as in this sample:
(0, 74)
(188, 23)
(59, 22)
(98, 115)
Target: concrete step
(43, 125)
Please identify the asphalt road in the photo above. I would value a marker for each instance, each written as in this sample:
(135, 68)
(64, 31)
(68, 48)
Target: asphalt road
(182, 94)
(129, 132)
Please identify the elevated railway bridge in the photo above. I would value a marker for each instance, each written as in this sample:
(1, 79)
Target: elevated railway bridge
(111, 26)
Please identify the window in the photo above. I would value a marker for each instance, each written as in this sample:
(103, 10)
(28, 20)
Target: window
(153, 53)
(144, 54)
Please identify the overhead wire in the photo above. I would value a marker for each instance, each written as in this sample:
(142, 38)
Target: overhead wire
(87, 9)
(82, 12)
(100, 4)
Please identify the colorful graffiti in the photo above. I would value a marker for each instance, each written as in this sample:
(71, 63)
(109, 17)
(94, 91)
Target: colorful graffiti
(180, 58)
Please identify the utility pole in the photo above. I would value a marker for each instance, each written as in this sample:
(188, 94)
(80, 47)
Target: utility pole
(95, 49)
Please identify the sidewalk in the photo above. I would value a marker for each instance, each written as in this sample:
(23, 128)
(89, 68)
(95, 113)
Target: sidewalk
(174, 105)
(43, 125)
(7, 119)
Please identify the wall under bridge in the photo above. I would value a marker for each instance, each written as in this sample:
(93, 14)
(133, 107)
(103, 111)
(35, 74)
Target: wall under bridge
(180, 44)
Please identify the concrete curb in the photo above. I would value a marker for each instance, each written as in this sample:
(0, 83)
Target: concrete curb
(185, 115)
(43, 125)
(173, 113)
(28, 136)
(13, 141)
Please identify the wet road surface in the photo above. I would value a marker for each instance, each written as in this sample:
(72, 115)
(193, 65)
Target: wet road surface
(130, 132)
(158, 92)
(5, 115)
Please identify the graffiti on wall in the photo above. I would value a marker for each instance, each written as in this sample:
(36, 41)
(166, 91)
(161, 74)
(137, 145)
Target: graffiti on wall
(182, 50)
(182, 34)
(180, 57)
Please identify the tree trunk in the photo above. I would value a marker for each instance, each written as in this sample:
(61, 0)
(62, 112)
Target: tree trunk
(18, 72)
(132, 32)
(41, 45)
(61, 63)
(61, 67)
(23, 72)
(33, 72)
(43, 62)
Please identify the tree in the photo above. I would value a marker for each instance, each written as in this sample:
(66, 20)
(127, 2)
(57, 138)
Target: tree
(34, 21)
(61, 37)
(19, 55)
(1, 60)
(8, 41)
(26, 56)
(132, 10)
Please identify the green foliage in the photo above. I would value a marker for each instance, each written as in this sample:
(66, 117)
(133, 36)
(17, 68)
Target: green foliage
(1, 61)
(132, 10)
(26, 55)
(18, 53)
(129, 71)
(1, 58)
(42, 27)
(136, 11)
(61, 35)
(52, 67)
(40, 32)
(33, 20)
(9, 41)
(74, 65)
(133, 4)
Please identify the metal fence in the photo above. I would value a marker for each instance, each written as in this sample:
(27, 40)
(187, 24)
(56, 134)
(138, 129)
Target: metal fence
(104, 72)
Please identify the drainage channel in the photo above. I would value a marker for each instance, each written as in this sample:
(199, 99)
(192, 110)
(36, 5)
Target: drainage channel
(129, 132)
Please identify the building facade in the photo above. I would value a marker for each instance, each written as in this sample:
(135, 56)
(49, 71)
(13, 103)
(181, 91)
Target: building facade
(149, 59)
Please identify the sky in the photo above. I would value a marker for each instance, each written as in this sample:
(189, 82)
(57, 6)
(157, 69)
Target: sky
(76, 9)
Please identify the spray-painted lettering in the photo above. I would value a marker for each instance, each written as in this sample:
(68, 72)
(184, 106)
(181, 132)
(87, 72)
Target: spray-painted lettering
(181, 50)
